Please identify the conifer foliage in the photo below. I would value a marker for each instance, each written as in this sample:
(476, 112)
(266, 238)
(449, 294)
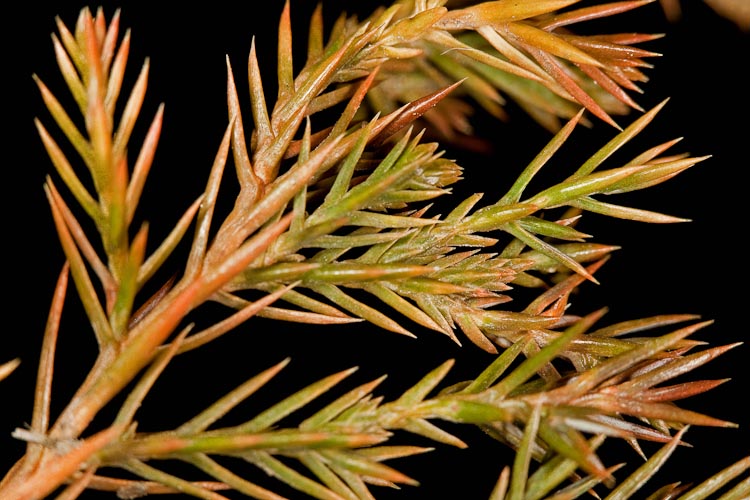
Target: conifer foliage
(333, 202)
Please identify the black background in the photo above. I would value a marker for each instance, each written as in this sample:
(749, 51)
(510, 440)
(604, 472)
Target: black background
(697, 267)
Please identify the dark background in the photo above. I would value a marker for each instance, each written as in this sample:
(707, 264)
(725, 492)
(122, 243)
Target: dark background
(697, 267)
